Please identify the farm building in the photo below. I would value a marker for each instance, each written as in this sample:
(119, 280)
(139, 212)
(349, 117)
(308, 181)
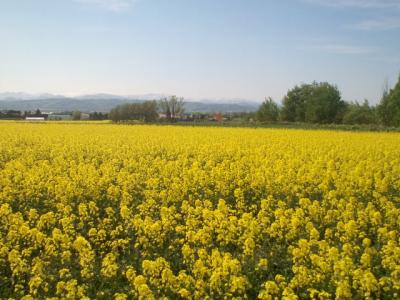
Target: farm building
(35, 119)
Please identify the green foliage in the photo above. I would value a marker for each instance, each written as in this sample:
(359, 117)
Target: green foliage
(389, 107)
(313, 103)
(293, 109)
(268, 111)
(76, 115)
(98, 116)
(360, 114)
(146, 111)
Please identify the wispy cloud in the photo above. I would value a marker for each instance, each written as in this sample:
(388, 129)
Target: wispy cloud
(112, 5)
(358, 3)
(378, 25)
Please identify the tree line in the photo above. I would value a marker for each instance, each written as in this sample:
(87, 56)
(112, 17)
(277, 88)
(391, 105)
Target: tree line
(317, 103)
(149, 111)
(321, 103)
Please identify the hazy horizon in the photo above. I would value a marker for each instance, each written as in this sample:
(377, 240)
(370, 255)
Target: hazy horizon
(198, 49)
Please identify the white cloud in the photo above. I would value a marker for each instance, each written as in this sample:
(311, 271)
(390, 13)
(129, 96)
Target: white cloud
(378, 25)
(358, 3)
(112, 5)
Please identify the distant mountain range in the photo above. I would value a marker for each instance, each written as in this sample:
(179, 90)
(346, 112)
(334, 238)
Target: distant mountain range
(105, 102)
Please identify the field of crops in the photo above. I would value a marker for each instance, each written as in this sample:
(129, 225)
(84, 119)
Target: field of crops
(101, 211)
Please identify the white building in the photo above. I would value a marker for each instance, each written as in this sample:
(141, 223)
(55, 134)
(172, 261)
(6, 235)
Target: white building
(34, 118)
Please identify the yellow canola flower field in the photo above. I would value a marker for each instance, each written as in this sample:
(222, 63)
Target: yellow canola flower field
(102, 211)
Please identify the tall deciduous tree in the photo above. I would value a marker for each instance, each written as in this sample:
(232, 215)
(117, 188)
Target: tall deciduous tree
(389, 107)
(76, 115)
(313, 103)
(146, 111)
(172, 107)
(268, 111)
(293, 109)
(360, 114)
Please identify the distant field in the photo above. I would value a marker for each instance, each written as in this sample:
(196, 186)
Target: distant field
(104, 211)
(290, 125)
(237, 124)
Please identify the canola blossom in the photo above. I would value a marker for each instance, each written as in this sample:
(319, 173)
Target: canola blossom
(101, 211)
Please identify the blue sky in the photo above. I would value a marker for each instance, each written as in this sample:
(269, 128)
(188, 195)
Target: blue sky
(199, 48)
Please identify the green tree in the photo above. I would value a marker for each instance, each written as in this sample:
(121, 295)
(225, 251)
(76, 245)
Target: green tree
(313, 103)
(268, 111)
(76, 115)
(149, 111)
(360, 114)
(389, 107)
(145, 111)
(293, 109)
